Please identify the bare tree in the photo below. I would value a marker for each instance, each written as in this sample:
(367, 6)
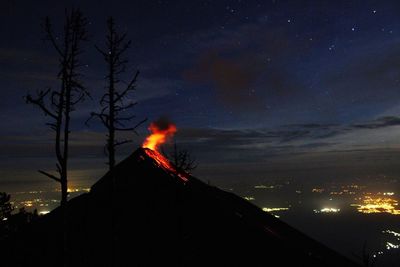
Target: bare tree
(182, 159)
(59, 103)
(115, 104)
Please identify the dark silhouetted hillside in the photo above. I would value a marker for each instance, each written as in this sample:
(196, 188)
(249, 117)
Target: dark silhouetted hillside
(162, 221)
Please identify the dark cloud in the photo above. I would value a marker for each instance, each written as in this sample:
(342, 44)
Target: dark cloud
(250, 138)
(379, 123)
(266, 142)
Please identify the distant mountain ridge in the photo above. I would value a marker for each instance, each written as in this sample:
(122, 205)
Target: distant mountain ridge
(146, 215)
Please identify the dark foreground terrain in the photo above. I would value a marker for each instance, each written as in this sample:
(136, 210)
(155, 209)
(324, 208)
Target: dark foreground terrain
(146, 215)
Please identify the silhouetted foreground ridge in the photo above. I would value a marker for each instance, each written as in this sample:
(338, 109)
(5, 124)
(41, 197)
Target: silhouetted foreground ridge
(145, 215)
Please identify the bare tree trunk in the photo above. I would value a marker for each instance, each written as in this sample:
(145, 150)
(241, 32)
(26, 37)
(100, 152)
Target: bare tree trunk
(111, 104)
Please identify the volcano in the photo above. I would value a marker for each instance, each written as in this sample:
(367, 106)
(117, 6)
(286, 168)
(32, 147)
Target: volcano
(145, 213)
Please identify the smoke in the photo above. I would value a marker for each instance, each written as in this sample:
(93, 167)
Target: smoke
(232, 78)
(162, 123)
(252, 75)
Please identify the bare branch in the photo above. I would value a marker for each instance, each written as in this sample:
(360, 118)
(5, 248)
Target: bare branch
(105, 55)
(39, 101)
(128, 87)
(50, 36)
(122, 142)
(131, 128)
(124, 107)
(103, 117)
(50, 176)
(125, 118)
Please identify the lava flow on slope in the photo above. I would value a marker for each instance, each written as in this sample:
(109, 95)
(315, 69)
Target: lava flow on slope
(161, 131)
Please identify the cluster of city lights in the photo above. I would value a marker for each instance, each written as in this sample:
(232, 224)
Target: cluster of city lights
(44, 212)
(394, 243)
(274, 209)
(264, 186)
(396, 238)
(72, 190)
(42, 205)
(318, 190)
(327, 210)
(378, 205)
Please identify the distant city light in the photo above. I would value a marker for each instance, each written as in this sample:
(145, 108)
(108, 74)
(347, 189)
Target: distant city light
(391, 246)
(43, 212)
(327, 210)
(394, 240)
(249, 198)
(318, 190)
(392, 233)
(388, 193)
(274, 209)
(263, 187)
(70, 190)
(378, 205)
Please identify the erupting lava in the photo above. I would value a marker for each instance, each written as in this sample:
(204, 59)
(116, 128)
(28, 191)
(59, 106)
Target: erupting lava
(161, 131)
(159, 135)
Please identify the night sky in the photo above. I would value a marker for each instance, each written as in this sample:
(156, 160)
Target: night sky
(256, 88)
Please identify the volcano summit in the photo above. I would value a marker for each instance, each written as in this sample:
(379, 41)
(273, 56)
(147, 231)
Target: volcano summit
(147, 214)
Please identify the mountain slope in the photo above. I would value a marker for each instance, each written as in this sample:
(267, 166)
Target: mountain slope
(146, 215)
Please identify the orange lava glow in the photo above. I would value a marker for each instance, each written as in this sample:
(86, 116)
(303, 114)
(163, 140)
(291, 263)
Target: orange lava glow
(158, 136)
(164, 163)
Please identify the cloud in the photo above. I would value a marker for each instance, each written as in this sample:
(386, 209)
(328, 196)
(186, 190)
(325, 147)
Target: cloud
(382, 122)
(162, 124)
(289, 139)
(12, 55)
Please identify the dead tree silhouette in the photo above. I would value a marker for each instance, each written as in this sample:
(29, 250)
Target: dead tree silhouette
(59, 103)
(114, 105)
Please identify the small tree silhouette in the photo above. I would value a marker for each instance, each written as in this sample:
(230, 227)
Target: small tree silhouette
(12, 223)
(114, 104)
(182, 159)
(5, 206)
